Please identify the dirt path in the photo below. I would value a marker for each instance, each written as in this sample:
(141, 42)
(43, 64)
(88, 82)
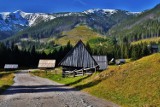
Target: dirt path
(32, 91)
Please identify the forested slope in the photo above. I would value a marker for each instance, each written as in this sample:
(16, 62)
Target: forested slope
(145, 25)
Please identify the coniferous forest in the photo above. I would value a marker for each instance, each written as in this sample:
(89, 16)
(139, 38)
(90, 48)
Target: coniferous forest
(30, 57)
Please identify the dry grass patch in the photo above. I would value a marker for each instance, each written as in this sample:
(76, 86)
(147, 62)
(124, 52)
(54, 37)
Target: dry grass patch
(6, 79)
(135, 84)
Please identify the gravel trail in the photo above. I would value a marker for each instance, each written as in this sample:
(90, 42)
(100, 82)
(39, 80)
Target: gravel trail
(33, 91)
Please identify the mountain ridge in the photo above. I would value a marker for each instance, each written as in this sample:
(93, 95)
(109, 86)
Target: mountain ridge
(99, 19)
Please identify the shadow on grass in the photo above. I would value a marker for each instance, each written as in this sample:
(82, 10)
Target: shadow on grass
(75, 82)
(88, 85)
(93, 82)
(3, 88)
(4, 74)
(83, 86)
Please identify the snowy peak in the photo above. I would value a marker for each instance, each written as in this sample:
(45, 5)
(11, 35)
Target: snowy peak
(4, 15)
(109, 12)
(18, 12)
(15, 21)
(104, 11)
(7, 15)
(34, 18)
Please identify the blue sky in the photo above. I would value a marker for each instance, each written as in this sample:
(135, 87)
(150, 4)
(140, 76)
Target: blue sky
(53, 6)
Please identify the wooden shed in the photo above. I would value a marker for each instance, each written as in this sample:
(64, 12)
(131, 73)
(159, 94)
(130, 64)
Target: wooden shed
(120, 61)
(78, 60)
(154, 48)
(102, 62)
(11, 66)
(46, 64)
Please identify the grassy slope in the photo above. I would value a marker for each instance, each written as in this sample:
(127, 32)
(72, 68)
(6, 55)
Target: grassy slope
(135, 84)
(148, 40)
(6, 79)
(80, 32)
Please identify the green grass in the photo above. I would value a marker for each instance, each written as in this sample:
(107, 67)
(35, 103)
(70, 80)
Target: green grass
(134, 84)
(149, 40)
(58, 77)
(80, 32)
(6, 80)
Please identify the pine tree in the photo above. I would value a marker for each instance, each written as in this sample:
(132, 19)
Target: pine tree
(89, 48)
(134, 54)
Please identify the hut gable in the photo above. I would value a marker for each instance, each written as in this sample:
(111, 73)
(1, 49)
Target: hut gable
(79, 57)
(102, 62)
(46, 63)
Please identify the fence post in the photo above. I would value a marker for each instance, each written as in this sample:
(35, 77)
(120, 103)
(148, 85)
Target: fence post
(95, 69)
(74, 73)
(83, 71)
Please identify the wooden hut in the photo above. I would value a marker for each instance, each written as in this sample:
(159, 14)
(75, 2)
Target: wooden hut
(78, 61)
(120, 61)
(46, 64)
(11, 66)
(154, 48)
(102, 62)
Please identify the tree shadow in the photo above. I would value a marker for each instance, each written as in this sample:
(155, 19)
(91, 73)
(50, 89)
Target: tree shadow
(88, 85)
(94, 82)
(4, 74)
(3, 88)
(75, 82)
(36, 89)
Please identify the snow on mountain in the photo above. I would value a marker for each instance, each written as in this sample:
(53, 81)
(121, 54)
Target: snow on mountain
(136, 13)
(109, 12)
(33, 18)
(104, 11)
(18, 20)
(15, 21)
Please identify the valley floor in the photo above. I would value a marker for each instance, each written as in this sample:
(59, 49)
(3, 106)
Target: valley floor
(134, 84)
(33, 91)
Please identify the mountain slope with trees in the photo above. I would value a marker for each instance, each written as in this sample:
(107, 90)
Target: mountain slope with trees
(99, 20)
(145, 25)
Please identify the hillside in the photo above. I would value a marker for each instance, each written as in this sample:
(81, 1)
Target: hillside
(101, 20)
(144, 25)
(80, 32)
(149, 40)
(134, 84)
